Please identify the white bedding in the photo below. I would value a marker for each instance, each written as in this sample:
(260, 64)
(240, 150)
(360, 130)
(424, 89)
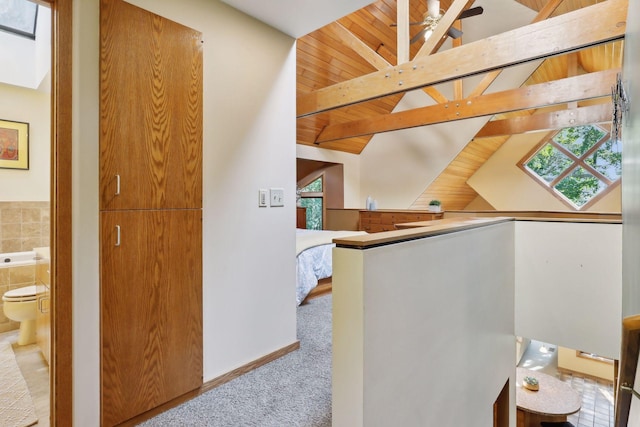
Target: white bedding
(314, 257)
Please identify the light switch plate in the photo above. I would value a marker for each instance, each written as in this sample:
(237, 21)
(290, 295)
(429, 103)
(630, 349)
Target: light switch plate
(262, 198)
(277, 196)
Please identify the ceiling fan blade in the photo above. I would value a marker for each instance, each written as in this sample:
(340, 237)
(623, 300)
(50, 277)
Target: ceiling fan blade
(471, 12)
(418, 36)
(454, 33)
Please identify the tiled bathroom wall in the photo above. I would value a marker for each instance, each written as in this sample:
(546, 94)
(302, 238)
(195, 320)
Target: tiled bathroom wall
(23, 226)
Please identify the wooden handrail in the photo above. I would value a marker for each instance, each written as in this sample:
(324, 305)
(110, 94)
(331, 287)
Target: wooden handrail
(628, 365)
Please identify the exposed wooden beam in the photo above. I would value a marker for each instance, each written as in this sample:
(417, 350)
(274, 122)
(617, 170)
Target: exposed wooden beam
(374, 58)
(433, 43)
(361, 48)
(402, 12)
(544, 13)
(458, 87)
(561, 91)
(596, 24)
(600, 113)
(572, 70)
(435, 94)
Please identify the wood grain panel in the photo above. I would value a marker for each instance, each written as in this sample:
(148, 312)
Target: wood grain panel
(592, 85)
(590, 26)
(151, 298)
(153, 67)
(61, 364)
(450, 187)
(600, 113)
(565, 7)
(629, 353)
(374, 27)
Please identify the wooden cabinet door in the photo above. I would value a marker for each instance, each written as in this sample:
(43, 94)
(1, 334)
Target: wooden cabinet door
(150, 110)
(151, 316)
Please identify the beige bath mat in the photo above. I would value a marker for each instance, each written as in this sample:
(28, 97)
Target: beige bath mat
(16, 405)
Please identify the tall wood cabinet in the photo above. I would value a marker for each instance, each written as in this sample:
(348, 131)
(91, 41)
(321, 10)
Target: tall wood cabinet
(150, 210)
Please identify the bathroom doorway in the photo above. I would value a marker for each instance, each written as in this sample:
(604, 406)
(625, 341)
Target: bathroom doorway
(25, 198)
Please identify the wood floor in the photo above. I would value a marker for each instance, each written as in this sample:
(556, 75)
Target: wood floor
(35, 372)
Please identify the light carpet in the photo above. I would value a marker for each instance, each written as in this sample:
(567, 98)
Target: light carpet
(293, 391)
(16, 405)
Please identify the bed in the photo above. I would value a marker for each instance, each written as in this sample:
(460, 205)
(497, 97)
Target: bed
(314, 259)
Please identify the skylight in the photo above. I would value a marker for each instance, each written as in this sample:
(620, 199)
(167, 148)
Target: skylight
(19, 17)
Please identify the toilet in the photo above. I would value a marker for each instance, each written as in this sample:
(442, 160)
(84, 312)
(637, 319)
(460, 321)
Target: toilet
(20, 305)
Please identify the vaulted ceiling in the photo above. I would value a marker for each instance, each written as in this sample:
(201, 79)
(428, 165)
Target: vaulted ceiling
(350, 80)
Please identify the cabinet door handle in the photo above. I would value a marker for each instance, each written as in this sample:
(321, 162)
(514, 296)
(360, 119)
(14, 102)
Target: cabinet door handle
(117, 235)
(117, 185)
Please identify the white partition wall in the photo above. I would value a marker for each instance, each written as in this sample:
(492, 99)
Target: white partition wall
(569, 284)
(423, 330)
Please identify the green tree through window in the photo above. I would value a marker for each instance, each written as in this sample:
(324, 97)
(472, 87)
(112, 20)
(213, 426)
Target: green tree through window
(312, 199)
(577, 163)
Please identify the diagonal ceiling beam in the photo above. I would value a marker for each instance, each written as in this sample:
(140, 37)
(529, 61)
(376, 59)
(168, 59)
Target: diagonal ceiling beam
(433, 43)
(544, 13)
(599, 23)
(600, 113)
(361, 48)
(561, 91)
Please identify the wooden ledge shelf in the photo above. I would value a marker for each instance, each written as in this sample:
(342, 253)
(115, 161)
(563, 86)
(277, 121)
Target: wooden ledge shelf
(417, 230)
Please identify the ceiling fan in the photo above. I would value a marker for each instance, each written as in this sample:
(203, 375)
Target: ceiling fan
(433, 16)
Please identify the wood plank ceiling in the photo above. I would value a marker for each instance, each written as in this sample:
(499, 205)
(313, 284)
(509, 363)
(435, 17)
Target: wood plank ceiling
(365, 42)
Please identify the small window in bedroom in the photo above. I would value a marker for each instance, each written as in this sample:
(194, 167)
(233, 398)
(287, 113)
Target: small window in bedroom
(578, 164)
(312, 198)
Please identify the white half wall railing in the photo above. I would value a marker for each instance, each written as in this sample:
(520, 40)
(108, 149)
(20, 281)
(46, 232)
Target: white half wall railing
(423, 330)
(569, 284)
(424, 327)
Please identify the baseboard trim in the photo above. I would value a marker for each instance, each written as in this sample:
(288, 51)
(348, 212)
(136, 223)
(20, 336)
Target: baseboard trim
(216, 382)
(210, 385)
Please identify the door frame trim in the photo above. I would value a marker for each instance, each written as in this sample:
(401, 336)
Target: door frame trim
(61, 366)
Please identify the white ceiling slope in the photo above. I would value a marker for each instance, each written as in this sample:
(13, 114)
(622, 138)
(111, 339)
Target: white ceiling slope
(297, 17)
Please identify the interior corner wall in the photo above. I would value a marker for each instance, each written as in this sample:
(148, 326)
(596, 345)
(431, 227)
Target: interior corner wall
(351, 169)
(631, 167)
(19, 104)
(249, 144)
(507, 187)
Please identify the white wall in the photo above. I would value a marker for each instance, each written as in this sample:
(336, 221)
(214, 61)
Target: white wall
(26, 62)
(30, 106)
(569, 274)
(631, 166)
(351, 170)
(507, 187)
(249, 143)
(420, 341)
(631, 183)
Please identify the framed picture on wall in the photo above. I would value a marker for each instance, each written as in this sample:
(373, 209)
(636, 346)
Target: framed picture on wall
(14, 145)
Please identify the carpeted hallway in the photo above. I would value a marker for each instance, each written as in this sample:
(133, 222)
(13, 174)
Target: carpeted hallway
(294, 390)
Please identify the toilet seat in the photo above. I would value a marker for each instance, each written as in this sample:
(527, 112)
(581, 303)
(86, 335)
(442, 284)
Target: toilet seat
(27, 293)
